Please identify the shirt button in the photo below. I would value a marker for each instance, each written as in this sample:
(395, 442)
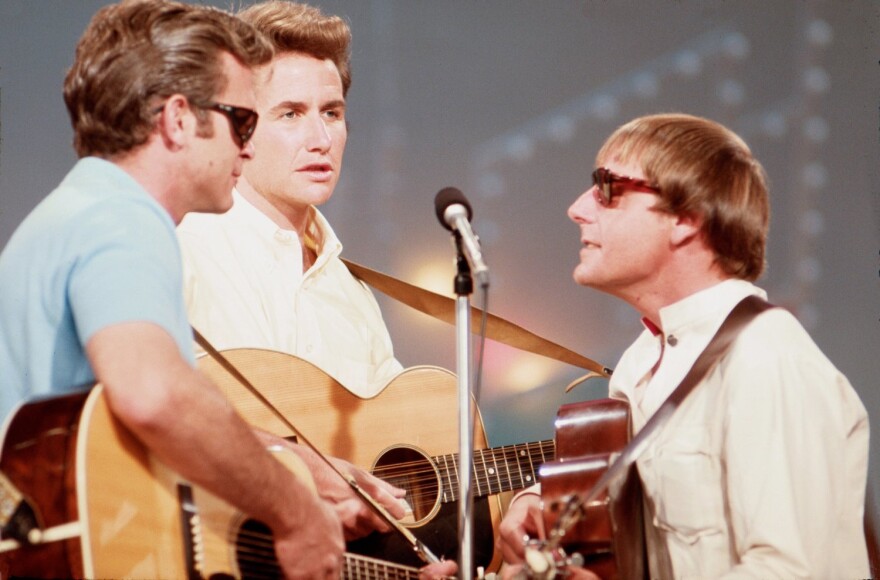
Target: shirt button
(282, 236)
(671, 340)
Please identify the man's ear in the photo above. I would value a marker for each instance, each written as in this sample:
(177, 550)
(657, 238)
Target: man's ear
(686, 228)
(177, 122)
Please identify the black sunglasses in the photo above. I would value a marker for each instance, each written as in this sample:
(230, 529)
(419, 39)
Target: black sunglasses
(242, 121)
(605, 180)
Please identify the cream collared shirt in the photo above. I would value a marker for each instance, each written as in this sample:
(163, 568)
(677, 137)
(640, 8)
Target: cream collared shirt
(245, 288)
(761, 473)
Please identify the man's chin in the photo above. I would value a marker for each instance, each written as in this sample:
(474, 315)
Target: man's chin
(222, 205)
(582, 277)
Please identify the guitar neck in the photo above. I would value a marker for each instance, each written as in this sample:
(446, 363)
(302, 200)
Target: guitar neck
(357, 567)
(498, 469)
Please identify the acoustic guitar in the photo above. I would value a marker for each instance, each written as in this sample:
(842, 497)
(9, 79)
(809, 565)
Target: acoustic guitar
(609, 533)
(407, 434)
(108, 509)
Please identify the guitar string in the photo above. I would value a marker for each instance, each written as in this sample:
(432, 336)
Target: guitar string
(258, 544)
(514, 453)
(418, 546)
(426, 473)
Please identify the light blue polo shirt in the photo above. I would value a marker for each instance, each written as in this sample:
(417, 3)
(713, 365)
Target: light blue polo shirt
(97, 251)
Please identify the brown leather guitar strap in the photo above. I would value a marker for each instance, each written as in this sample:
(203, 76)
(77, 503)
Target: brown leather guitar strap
(498, 329)
(739, 317)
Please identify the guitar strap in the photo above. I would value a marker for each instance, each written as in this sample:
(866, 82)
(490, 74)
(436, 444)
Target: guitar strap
(743, 313)
(497, 328)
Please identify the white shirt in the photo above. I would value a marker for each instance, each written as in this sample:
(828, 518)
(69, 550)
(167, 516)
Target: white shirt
(245, 288)
(761, 472)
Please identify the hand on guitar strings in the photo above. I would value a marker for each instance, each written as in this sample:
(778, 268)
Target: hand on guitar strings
(358, 519)
(518, 571)
(311, 551)
(524, 522)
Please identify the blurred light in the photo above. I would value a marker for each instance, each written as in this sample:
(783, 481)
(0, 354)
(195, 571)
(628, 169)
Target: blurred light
(808, 315)
(561, 129)
(814, 176)
(774, 125)
(523, 372)
(689, 64)
(604, 107)
(491, 184)
(816, 129)
(816, 80)
(646, 85)
(435, 276)
(812, 223)
(519, 148)
(731, 92)
(809, 269)
(737, 46)
(819, 33)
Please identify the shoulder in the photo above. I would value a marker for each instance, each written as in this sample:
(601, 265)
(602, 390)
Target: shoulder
(208, 238)
(776, 359)
(774, 335)
(195, 226)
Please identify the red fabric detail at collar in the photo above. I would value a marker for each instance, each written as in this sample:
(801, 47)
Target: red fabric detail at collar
(655, 330)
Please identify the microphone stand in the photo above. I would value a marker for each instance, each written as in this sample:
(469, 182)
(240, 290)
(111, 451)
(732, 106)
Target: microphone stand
(464, 286)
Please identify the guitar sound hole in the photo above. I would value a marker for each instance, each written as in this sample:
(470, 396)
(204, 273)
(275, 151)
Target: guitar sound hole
(410, 469)
(255, 551)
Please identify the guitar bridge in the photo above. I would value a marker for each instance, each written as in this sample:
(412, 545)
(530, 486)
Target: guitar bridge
(193, 544)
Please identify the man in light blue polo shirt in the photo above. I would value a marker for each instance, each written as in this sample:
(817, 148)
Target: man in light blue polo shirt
(161, 100)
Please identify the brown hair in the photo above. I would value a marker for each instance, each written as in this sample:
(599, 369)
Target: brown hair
(702, 168)
(136, 53)
(293, 27)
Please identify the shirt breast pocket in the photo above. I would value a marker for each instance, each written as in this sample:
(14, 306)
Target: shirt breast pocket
(683, 478)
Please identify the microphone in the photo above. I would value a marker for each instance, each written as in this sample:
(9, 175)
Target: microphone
(455, 213)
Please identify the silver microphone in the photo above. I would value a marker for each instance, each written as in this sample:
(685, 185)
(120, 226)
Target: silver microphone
(454, 212)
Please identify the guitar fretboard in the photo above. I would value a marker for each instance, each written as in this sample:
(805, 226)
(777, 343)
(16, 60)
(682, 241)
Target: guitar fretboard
(498, 469)
(358, 567)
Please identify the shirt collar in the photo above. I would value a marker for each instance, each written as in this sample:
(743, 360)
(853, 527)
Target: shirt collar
(319, 235)
(709, 304)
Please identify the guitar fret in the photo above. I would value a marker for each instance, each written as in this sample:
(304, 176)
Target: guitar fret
(453, 459)
(476, 480)
(547, 448)
(524, 451)
(519, 450)
(359, 567)
(485, 468)
(533, 469)
(481, 483)
(494, 474)
(449, 492)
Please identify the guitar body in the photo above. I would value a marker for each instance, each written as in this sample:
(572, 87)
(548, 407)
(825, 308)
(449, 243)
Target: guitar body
(412, 419)
(129, 516)
(609, 535)
(39, 458)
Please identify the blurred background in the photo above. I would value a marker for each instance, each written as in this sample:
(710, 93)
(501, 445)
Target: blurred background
(509, 100)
